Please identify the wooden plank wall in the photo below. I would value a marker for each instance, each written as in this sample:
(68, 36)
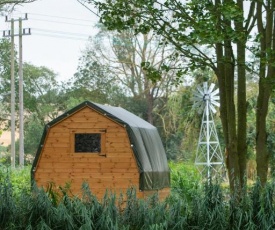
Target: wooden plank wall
(117, 171)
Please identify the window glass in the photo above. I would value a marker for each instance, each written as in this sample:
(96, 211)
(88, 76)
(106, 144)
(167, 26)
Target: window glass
(87, 142)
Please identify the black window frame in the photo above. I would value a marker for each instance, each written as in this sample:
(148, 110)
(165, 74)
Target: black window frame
(101, 132)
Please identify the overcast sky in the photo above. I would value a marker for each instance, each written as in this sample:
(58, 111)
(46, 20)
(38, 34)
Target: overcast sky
(60, 30)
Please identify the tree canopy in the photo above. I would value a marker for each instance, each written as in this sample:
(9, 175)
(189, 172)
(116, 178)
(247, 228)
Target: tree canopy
(14, 2)
(130, 61)
(216, 35)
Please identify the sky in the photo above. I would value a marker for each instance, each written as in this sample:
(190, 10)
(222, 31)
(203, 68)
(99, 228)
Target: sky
(59, 32)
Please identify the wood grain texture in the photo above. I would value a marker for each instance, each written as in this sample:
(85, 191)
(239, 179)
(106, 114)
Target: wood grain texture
(116, 170)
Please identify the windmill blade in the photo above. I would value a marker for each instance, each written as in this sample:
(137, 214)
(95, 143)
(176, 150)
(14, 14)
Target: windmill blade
(215, 98)
(197, 99)
(205, 87)
(196, 94)
(198, 104)
(199, 88)
(201, 109)
(215, 92)
(212, 108)
(215, 103)
(211, 87)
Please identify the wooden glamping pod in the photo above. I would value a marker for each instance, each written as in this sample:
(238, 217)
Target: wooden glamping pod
(107, 147)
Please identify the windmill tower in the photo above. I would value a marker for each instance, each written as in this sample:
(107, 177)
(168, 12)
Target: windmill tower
(209, 158)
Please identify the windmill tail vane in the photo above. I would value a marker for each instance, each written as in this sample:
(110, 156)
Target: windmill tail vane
(209, 157)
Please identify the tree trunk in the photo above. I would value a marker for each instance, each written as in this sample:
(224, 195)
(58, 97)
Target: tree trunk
(225, 75)
(241, 96)
(150, 106)
(262, 156)
(266, 74)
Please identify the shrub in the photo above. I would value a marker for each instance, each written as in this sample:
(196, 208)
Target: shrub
(185, 180)
(206, 208)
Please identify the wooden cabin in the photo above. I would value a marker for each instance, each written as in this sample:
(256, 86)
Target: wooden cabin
(105, 146)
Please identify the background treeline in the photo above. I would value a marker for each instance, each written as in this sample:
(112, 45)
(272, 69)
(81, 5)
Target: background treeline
(115, 75)
(191, 205)
(152, 68)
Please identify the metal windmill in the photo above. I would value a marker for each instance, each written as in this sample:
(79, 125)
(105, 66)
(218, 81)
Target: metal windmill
(209, 158)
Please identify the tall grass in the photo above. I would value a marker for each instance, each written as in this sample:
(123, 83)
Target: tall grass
(207, 207)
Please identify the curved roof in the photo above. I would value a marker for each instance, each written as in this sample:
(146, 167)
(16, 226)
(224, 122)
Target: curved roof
(145, 141)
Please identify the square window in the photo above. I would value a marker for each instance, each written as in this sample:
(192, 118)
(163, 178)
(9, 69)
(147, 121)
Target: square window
(87, 143)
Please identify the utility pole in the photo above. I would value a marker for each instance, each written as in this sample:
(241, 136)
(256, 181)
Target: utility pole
(21, 105)
(12, 98)
(21, 102)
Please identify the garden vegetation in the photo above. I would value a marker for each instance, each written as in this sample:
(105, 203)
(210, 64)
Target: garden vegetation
(192, 205)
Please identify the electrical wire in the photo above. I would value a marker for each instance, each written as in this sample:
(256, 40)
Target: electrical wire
(68, 23)
(53, 16)
(60, 36)
(61, 32)
(57, 33)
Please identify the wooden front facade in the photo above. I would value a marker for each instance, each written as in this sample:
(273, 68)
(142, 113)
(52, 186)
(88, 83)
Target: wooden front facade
(114, 167)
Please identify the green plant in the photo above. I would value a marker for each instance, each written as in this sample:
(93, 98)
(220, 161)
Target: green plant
(206, 206)
(7, 203)
(185, 179)
(20, 179)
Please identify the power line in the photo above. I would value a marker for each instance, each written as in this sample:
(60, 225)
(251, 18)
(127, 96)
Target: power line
(52, 16)
(60, 36)
(68, 23)
(60, 32)
(57, 34)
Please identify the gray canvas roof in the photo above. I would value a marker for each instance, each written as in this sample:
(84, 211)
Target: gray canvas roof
(145, 140)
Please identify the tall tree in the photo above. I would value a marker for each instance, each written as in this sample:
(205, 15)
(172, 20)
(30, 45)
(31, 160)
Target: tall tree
(132, 61)
(93, 82)
(266, 56)
(41, 93)
(5, 56)
(204, 32)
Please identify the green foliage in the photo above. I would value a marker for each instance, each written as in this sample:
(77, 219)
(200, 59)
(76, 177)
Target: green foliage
(5, 156)
(33, 130)
(152, 73)
(181, 121)
(185, 180)
(189, 26)
(41, 93)
(208, 206)
(19, 178)
(5, 56)
(8, 206)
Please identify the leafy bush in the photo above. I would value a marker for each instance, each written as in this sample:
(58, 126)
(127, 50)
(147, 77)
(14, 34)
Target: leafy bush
(185, 180)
